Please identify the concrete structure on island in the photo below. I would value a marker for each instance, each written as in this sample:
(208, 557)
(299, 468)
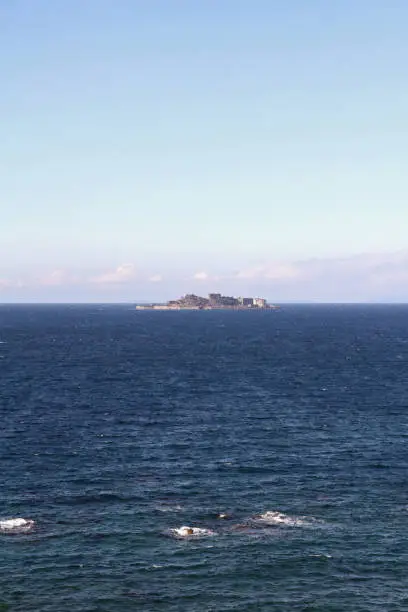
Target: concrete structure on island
(215, 301)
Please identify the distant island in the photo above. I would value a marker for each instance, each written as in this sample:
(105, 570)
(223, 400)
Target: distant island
(215, 301)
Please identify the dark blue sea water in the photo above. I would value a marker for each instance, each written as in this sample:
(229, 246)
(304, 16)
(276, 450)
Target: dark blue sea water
(118, 427)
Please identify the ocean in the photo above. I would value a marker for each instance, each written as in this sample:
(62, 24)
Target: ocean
(278, 439)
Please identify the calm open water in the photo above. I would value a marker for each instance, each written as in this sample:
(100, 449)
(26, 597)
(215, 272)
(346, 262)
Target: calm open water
(118, 427)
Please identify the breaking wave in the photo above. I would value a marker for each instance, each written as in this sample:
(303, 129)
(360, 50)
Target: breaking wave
(191, 532)
(16, 525)
(169, 508)
(279, 518)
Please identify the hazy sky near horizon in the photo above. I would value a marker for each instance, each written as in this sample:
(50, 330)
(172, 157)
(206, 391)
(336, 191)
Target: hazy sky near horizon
(156, 146)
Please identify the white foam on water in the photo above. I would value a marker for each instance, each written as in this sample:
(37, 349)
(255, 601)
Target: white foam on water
(176, 508)
(191, 532)
(279, 518)
(16, 525)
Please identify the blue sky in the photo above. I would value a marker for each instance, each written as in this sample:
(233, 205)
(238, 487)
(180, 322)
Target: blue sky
(157, 147)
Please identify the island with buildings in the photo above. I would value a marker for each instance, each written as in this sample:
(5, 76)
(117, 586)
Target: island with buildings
(214, 301)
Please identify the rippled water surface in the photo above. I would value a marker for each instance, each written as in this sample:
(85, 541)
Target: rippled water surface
(125, 435)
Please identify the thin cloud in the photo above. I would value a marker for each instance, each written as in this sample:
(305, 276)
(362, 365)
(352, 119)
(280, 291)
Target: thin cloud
(364, 277)
(57, 278)
(5, 283)
(156, 278)
(201, 276)
(122, 274)
(275, 270)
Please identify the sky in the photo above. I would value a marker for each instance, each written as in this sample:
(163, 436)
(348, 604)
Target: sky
(151, 148)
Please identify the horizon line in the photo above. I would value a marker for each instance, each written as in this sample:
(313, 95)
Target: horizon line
(144, 302)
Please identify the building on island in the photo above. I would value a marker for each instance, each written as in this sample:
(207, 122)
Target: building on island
(215, 301)
(246, 301)
(259, 302)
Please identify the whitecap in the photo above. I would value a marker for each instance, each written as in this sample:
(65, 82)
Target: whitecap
(191, 532)
(16, 525)
(279, 518)
(175, 508)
